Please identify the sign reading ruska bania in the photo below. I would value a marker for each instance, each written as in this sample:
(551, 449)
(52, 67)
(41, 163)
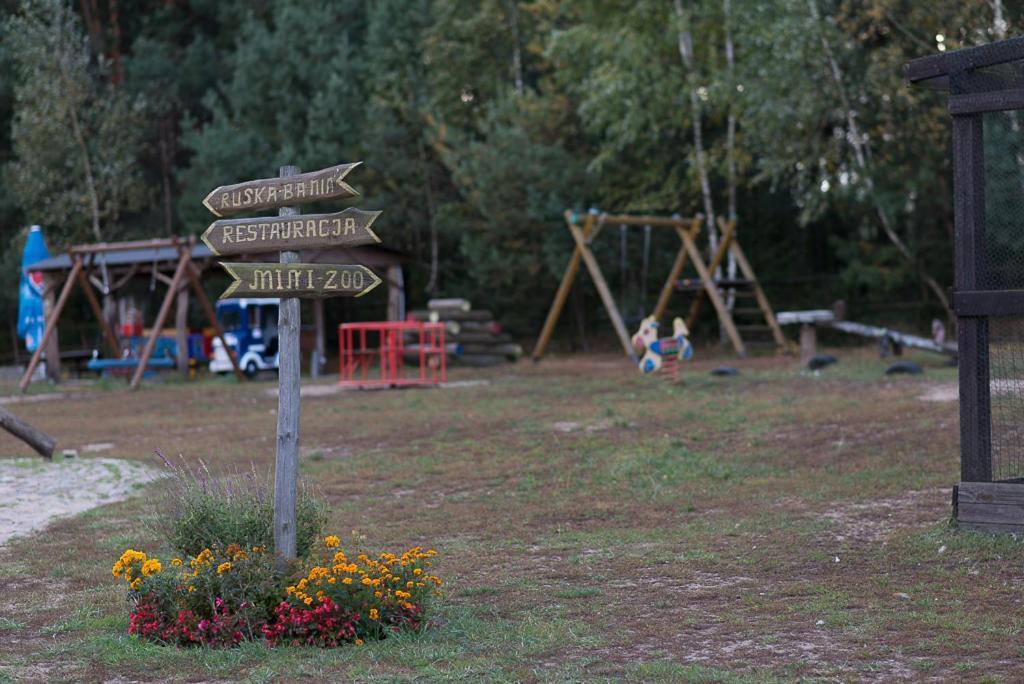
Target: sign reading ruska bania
(308, 281)
(271, 193)
(348, 228)
(287, 233)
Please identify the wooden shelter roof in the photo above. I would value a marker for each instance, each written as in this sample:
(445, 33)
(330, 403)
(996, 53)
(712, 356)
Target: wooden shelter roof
(116, 254)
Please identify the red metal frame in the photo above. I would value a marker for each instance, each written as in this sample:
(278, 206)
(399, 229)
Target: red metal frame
(360, 344)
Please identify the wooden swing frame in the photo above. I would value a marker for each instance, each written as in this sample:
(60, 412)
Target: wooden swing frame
(83, 259)
(687, 229)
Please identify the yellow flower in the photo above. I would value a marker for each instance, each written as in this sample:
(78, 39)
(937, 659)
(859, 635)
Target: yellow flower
(136, 583)
(223, 567)
(176, 562)
(359, 642)
(191, 589)
(417, 571)
(374, 615)
(409, 585)
(331, 541)
(346, 580)
(367, 581)
(308, 600)
(332, 580)
(151, 567)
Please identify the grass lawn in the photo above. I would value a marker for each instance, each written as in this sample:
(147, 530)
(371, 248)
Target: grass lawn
(592, 524)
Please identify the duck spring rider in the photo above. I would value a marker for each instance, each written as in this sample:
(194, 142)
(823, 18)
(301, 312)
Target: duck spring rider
(656, 351)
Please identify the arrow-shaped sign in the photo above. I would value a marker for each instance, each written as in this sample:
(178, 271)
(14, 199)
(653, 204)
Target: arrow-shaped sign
(347, 228)
(309, 281)
(271, 193)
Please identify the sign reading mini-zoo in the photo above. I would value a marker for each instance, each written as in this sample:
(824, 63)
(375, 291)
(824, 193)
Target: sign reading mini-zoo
(309, 281)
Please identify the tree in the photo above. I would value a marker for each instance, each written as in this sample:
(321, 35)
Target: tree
(76, 138)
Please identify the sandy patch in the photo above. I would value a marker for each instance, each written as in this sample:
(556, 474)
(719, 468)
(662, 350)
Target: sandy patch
(34, 492)
(31, 398)
(941, 393)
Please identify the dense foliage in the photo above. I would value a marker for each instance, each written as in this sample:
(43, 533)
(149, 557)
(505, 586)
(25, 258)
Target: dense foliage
(480, 121)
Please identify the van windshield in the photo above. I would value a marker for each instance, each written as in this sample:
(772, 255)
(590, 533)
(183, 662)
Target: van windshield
(230, 319)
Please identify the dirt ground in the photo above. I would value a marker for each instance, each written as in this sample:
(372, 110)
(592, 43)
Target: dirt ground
(593, 524)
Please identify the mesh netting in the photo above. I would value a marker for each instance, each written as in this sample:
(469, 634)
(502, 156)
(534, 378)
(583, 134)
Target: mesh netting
(1006, 377)
(1004, 202)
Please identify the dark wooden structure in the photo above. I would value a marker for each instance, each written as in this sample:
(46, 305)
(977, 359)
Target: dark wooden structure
(180, 264)
(986, 89)
(586, 229)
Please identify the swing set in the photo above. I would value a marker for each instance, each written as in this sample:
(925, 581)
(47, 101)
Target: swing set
(586, 229)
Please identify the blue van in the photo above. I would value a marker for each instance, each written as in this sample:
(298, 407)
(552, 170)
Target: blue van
(250, 329)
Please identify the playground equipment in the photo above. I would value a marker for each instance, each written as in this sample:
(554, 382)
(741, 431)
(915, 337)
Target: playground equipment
(250, 330)
(890, 340)
(123, 259)
(585, 230)
(664, 353)
(391, 344)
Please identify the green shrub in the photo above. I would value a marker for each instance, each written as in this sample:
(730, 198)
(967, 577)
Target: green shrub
(204, 511)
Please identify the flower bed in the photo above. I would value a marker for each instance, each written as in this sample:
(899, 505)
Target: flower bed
(220, 598)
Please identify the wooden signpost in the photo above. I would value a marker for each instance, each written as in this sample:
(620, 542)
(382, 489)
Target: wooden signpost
(288, 232)
(347, 228)
(309, 281)
(283, 191)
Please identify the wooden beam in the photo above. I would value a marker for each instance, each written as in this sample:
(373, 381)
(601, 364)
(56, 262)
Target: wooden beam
(641, 220)
(727, 232)
(677, 270)
(123, 246)
(51, 323)
(759, 295)
(97, 310)
(161, 316)
(52, 351)
(211, 317)
(724, 317)
(563, 289)
(602, 289)
(969, 270)
(181, 331)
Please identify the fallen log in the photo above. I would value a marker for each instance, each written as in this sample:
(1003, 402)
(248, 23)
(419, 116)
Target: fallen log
(480, 338)
(35, 438)
(450, 315)
(453, 304)
(508, 350)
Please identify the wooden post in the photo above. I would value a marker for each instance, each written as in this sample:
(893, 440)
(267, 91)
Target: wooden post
(90, 296)
(724, 317)
(808, 342)
(972, 331)
(43, 443)
(286, 464)
(677, 269)
(211, 316)
(181, 331)
(396, 293)
(51, 323)
(725, 239)
(602, 289)
(161, 317)
(319, 345)
(762, 300)
(563, 289)
(53, 341)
